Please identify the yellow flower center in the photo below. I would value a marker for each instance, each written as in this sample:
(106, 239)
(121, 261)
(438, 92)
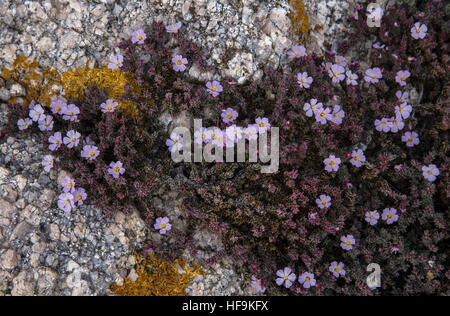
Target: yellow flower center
(66, 202)
(139, 37)
(324, 202)
(336, 74)
(390, 216)
(163, 225)
(357, 158)
(323, 114)
(337, 269)
(430, 172)
(213, 89)
(410, 140)
(116, 169)
(58, 108)
(383, 123)
(78, 197)
(262, 124)
(92, 153)
(179, 62)
(374, 76)
(348, 243)
(229, 116)
(307, 279)
(332, 163)
(403, 78)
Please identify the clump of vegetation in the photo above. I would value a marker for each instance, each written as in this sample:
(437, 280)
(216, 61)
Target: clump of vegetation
(156, 277)
(299, 19)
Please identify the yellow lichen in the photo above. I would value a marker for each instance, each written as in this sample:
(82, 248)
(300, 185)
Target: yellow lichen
(299, 19)
(158, 278)
(40, 83)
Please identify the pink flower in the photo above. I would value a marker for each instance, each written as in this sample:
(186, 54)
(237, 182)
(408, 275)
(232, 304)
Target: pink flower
(214, 88)
(337, 269)
(36, 112)
(72, 139)
(251, 132)
(324, 201)
(303, 80)
(297, 51)
(70, 112)
(340, 60)
(323, 115)
(372, 217)
(162, 224)
(115, 62)
(46, 123)
(116, 169)
(373, 75)
(337, 73)
(202, 136)
(402, 76)
(233, 134)
(419, 31)
(332, 163)
(175, 143)
(90, 152)
(217, 137)
(430, 172)
(357, 158)
(179, 63)
(411, 139)
(312, 107)
(285, 277)
(24, 124)
(138, 36)
(48, 162)
(65, 202)
(402, 96)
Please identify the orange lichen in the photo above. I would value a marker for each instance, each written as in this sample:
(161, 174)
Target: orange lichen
(158, 278)
(40, 83)
(299, 19)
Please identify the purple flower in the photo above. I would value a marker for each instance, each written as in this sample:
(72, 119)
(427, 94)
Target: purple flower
(68, 184)
(233, 134)
(179, 63)
(285, 277)
(173, 28)
(336, 73)
(79, 196)
(340, 60)
(58, 107)
(257, 285)
(324, 201)
(46, 123)
(217, 137)
(202, 136)
(72, 139)
(214, 88)
(338, 115)
(90, 152)
(115, 62)
(337, 269)
(116, 169)
(347, 242)
(351, 78)
(47, 163)
(389, 215)
(175, 143)
(251, 132)
(430, 172)
(303, 80)
(65, 202)
(403, 110)
(402, 96)
(323, 115)
(372, 217)
(229, 115)
(373, 75)
(109, 106)
(138, 36)
(23, 124)
(396, 124)
(307, 279)
(55, 141)
(162, 224)
(312, 107)
(382, 125)
(411, 139)
(419, 31)
(378, 46)
(297, 51)
(402, 76)
(263, 124)
(70, 112)
(36, 112)
(332, 163)
(357, 158)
